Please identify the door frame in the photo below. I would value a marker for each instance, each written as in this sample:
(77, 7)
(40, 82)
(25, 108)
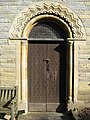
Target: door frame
(18, 35)
(21, 69)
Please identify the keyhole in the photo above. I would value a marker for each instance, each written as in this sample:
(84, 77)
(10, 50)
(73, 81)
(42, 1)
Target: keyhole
(47, 64)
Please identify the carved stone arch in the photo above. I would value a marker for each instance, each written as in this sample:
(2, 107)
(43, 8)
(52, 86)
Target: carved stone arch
(70, 20)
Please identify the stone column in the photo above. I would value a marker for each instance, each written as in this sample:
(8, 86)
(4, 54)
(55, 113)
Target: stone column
(75, 70)
(18, 68)
(24, 94)
(70, 68)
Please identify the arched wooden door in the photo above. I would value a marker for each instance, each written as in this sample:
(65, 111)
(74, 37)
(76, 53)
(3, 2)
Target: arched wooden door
(43, 68)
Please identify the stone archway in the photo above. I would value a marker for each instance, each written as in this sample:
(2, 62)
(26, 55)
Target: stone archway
(40, 8)
(21, 28)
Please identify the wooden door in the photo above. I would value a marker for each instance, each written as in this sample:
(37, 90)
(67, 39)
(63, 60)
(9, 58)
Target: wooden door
(43, 76)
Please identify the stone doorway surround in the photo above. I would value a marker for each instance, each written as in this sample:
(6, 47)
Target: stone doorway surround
(18, 34)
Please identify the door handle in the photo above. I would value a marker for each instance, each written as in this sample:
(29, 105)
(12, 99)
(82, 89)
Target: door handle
(47, 64)
(46, 60)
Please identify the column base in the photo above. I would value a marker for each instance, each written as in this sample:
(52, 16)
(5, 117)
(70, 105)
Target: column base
(78, 105)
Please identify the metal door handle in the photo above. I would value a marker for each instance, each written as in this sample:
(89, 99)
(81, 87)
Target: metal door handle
(46, 60)
(47, 64)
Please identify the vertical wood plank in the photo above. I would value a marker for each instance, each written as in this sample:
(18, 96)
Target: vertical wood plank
(13, 93)
(6, 95)
(2, 96)
(9, 96)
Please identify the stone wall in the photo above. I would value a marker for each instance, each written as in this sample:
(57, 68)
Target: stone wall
(9, 9)
(7, 65)
(84, 73)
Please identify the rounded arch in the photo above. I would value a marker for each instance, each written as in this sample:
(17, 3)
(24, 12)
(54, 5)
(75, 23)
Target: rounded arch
(43, 18)
(25, 20)
(49, 28)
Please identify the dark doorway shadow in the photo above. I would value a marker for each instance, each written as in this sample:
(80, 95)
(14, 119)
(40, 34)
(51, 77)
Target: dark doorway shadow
(62, 81)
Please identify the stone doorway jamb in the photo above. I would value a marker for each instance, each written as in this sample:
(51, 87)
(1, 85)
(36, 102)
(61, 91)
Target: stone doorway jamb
(73, 69)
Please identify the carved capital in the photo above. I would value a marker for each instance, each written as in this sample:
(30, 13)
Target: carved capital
(24, 42)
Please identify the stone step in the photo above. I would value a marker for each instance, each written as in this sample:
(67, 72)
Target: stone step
(44, 116)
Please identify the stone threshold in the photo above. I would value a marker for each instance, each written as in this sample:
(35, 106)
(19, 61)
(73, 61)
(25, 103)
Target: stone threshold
(44, 116)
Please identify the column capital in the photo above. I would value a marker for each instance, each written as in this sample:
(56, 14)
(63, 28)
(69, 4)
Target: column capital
(24, 42)
(70, 43)
(76, 40)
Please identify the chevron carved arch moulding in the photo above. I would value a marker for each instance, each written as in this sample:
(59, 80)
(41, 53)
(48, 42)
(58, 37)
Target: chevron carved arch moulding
(55, 9)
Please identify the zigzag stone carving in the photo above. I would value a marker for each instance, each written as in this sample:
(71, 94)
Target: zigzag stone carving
(64, 13)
